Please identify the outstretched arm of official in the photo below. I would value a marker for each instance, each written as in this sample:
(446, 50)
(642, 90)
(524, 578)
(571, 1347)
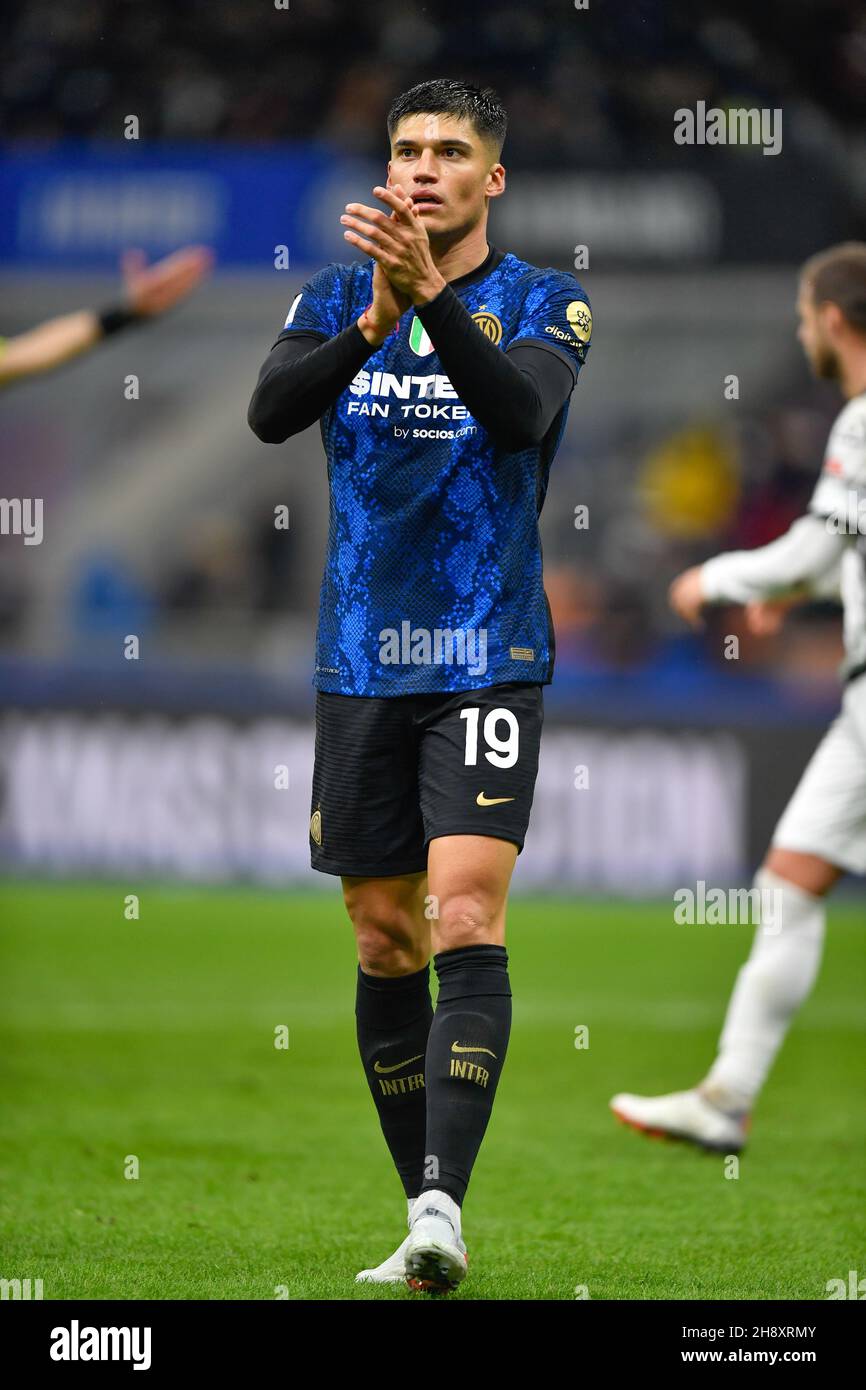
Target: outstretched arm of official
(149, 291)
(49, 344)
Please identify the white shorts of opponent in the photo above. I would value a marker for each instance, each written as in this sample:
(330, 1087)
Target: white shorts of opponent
(826, 815)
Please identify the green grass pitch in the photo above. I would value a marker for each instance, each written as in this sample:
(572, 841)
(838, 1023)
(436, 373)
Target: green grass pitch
(261, 1168)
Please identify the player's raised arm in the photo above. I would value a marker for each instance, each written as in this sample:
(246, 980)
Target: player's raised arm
(515, 395)
(149, 292)
(301, 377)
(307, 370)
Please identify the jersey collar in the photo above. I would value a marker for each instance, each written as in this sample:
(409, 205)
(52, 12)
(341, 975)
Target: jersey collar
(490, 262)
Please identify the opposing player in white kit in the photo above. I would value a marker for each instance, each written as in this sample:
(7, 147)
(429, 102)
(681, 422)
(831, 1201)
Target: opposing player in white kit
(822, 833)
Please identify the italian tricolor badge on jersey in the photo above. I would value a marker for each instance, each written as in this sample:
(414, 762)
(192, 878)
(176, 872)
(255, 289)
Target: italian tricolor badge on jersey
(418, 340)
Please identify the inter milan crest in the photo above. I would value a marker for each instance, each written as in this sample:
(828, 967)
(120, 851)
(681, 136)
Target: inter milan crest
(489, 324)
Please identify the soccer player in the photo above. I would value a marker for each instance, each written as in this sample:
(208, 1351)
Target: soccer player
(822, 833)
(440, 368)
(149, 291)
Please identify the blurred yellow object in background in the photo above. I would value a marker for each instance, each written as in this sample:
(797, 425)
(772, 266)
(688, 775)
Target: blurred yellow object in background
(690, 483)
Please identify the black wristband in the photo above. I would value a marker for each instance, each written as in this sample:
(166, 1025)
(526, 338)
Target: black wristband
(114, 319)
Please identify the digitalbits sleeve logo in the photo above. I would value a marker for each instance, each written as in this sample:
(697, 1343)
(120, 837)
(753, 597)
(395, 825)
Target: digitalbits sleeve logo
(580, 319)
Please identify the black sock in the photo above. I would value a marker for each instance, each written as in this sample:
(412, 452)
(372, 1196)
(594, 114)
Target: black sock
(393, 1017)
(465, 1053)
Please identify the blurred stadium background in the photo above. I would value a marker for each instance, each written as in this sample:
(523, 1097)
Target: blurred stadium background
(159, 512)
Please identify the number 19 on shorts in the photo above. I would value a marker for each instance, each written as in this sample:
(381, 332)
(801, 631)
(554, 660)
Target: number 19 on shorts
(501, 752)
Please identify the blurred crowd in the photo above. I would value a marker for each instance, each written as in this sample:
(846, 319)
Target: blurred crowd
(592, 85)
(586, 88)
(653, 508)
(698, 491)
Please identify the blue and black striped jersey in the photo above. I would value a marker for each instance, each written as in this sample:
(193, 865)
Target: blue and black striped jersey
(433, 573)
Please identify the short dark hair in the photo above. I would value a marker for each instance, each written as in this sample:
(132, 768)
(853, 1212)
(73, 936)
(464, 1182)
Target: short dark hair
(839, 274)
(445, 96)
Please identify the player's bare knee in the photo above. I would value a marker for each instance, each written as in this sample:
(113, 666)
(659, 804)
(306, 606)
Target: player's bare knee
(383, 953)
(807, 872)
(389, 940)
(466, 920)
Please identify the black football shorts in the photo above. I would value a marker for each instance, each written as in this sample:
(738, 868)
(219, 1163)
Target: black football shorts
(391, 775)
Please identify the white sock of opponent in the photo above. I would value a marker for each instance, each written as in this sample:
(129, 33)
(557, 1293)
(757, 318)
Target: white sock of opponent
(770, 987)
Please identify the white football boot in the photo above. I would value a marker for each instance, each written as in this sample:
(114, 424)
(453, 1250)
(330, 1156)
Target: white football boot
(686, 1115)
(435, 1256)
(392, 1270)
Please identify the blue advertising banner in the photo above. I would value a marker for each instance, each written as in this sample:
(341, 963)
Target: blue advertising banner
(82, 205)
(78, 206)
